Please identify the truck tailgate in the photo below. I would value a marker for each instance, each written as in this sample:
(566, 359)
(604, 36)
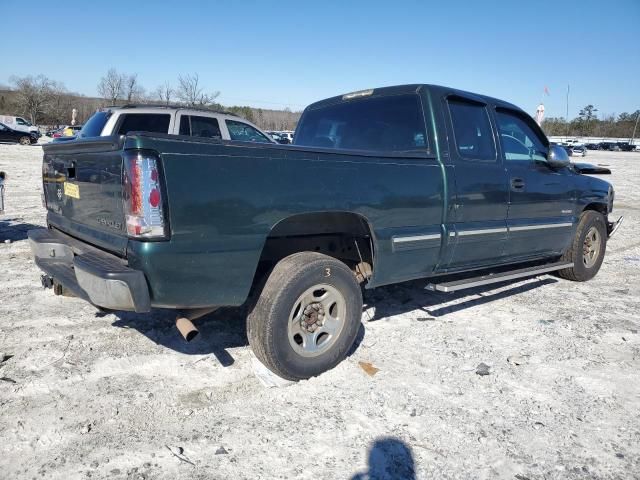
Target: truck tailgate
(83, 187)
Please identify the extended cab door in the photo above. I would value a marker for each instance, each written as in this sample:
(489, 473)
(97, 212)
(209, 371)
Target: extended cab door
(541, 199)
(477, 229)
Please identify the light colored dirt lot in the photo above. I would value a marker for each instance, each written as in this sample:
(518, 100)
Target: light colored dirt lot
(112, 396)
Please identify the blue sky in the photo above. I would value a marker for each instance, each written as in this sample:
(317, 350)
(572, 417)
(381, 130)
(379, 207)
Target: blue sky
(273, 54)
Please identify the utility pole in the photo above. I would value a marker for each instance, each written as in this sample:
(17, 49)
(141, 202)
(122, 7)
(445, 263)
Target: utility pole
(633, 136)
(567, 117)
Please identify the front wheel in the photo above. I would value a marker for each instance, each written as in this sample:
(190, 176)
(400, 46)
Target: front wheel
(307, 316)
(587, 249)
(25, 140)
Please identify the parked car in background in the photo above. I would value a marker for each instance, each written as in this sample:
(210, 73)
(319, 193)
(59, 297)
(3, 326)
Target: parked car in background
(19, 124)
(626, 147)
(191, 122)
(567, 148)
(279, 138)
(287, 134)
(8, 134)
(578, 151)
(68, 131)
(609, 146)
(591, 146)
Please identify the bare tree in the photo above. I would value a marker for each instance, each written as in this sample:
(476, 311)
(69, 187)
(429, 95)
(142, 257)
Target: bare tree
(191, 93)
(34, 94)
(111, 86)
(133, 91)
(164, 93)
(59, 108)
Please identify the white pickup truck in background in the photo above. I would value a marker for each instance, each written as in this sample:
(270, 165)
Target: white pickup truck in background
(19, 123)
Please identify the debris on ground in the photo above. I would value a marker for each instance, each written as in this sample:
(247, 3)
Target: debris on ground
(178, 452)
(517, 359)
(368, 368)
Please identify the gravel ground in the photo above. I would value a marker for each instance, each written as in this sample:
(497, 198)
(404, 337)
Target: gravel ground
(88, 395)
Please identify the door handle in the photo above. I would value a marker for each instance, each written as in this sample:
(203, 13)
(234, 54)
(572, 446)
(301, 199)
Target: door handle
(517, 184)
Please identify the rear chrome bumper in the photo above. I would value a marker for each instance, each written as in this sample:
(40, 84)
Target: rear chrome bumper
(612, 227)
(91, 274)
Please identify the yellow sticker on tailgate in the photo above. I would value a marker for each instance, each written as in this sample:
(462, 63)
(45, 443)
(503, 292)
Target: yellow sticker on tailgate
(71, 190)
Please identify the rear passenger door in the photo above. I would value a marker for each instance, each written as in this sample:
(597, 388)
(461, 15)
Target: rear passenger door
(477, 228)
(541, 198)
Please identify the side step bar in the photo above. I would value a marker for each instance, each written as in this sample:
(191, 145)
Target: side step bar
(456, 285)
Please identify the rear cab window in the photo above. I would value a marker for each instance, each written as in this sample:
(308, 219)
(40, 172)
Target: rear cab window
(384, 124)
(143, 122)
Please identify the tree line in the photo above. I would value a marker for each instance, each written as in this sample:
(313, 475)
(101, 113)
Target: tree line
(587, 124)
(44, 101)
(47, 102)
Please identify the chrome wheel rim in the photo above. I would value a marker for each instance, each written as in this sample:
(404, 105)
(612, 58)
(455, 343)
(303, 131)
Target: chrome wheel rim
(25, 141)
(591, 247)
(316, 320)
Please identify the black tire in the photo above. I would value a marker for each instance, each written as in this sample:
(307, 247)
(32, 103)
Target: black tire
(582, 269)
(270, 317)
(25, 140)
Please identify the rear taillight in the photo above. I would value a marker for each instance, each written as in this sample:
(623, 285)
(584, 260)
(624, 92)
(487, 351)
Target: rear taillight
(142, 196)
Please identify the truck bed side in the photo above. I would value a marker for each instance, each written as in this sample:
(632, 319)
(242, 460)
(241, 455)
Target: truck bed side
(225, 198)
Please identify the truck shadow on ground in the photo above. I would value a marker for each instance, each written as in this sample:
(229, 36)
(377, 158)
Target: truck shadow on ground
(409, 296)
(226, 327)
(14, 230)
(223, 329)
(219, 331)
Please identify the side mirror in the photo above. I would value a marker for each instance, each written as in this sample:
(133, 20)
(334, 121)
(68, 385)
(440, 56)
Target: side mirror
(558, 157)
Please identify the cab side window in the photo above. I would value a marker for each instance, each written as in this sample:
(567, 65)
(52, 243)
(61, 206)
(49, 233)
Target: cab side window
(472, 130)
(245, 133)
(519, 141)
(196, 126)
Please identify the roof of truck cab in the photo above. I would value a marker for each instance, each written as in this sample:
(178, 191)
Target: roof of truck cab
(438, 90)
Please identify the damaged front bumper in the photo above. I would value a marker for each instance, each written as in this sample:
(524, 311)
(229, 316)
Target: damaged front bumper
(89, 273)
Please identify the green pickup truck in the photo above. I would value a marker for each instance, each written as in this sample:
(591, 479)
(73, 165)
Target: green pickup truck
(379, 186)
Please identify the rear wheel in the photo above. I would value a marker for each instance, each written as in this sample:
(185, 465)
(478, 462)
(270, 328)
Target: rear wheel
(306, 317)
(587, 249)
(25, 140)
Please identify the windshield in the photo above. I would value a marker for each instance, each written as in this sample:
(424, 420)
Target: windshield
(94, 126)
(383, 124)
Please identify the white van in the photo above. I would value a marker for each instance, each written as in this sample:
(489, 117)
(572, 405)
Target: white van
(18, 123)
